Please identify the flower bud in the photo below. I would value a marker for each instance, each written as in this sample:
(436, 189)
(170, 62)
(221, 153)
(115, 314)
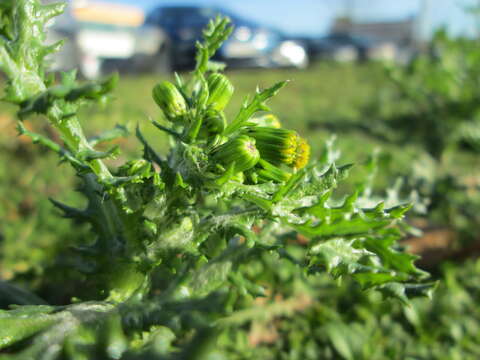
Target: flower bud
(302, 154)
(240, 150)
(277, 146)
(268, 120)
(170, 100)
(220, 91)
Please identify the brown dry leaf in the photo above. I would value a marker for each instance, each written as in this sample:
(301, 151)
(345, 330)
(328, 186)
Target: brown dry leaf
(302, 240)
(434, 246)
(441, 238)
(5, 121)
(262, 333)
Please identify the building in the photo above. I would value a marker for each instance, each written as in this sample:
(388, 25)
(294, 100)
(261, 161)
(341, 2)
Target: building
(401, 33)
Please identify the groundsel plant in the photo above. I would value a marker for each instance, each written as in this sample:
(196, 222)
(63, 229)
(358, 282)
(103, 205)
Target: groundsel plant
(174, 239)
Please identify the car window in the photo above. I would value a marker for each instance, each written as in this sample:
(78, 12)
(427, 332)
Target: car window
(196, 17)
(153, 18)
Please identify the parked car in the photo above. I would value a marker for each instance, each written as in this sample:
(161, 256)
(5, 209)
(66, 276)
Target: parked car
(341, 47)
(348, 47)
(251, 44)
(103, 36)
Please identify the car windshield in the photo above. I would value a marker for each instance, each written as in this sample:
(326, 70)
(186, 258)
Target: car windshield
(190, 16)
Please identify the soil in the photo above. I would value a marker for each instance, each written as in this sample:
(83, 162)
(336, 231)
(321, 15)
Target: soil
(437, 245)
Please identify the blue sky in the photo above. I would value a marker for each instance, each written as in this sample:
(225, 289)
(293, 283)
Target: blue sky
(313, 17)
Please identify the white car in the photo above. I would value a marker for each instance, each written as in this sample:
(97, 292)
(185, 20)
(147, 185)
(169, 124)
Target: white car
(101, 36)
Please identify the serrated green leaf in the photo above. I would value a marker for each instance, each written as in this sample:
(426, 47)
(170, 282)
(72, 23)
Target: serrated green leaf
(393, 259)
(16, 325)
(404, 292)
(249, 109)
(338, 256)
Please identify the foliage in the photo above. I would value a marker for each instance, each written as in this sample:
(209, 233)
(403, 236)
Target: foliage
(430, 105)
(166, 262)
(344, 322)
(434, 102)
(437, 96)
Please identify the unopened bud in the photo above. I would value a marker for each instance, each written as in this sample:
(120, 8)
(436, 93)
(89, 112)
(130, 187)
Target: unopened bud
(220, 91)
(170, 100)
(277, 146)
(240, 150)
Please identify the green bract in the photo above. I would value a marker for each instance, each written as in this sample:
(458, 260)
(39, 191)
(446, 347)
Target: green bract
(181, 246)
(269, 172)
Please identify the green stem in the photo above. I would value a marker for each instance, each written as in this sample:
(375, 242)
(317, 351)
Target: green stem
(194, 128)
(75, 140)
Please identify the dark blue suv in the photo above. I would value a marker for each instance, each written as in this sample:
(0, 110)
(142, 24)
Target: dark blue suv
(250, 44)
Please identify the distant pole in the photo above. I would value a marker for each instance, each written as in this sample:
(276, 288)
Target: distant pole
(349, 9)
(422, 33)
(346, 12)
(476, 16)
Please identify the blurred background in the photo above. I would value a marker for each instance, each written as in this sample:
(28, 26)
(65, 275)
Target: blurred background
(397, 82)
(156, 36)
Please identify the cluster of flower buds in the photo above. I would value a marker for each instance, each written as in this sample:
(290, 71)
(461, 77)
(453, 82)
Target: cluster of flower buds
(174, 106)
(262, 152)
